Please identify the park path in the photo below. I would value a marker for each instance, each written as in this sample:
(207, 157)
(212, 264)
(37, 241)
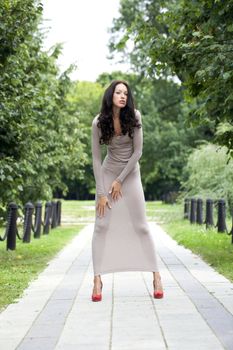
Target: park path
(56, 311)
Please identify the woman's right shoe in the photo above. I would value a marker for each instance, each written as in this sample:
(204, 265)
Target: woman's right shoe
(97, 297)
(158, 294)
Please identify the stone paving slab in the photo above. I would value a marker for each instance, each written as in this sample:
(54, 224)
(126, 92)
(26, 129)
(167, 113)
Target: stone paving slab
(56, 311)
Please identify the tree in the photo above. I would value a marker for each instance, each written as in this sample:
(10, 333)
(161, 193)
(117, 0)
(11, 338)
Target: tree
(39, 138)
(189, 39)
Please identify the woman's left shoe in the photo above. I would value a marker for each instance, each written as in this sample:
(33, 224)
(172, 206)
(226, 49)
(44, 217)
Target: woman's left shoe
(158, 294)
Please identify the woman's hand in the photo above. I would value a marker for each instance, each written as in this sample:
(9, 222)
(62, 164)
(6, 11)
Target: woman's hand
(115, 190)
(102, 202)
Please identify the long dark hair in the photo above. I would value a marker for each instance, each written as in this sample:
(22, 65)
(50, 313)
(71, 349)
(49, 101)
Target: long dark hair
(127, 114)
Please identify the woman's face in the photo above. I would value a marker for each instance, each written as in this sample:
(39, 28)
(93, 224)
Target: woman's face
(120, 96)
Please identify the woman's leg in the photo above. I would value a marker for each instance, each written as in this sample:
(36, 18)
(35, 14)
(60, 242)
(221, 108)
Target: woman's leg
(158, 283)
(97, 284)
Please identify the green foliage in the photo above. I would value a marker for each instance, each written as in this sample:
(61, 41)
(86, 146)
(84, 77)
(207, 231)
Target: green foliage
(189, 39)
(40, 139)
(209, 174)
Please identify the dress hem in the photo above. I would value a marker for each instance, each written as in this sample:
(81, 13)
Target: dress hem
(126, 270)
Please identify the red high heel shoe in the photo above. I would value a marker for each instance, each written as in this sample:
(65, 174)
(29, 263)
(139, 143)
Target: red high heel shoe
(97, 297)
(157, 294)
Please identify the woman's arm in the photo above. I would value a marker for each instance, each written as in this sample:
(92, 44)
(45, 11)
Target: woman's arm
(137, 153)
(96, 159)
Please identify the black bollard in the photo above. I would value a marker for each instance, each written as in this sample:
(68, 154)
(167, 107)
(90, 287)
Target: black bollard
(11, 226)
(27, 225)
(193, 210)
(38, 220)
(221, 216)
(209, 221)
(54, 215)
(200, 211)
(186, 208)
(58, 213)
(47, 217)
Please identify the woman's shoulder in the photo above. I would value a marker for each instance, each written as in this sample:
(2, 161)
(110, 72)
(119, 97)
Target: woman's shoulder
(95, 120)
(138, 114)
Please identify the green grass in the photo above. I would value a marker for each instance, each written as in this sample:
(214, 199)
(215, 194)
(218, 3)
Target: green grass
(215, 248)
(20, 266)
(78, 211)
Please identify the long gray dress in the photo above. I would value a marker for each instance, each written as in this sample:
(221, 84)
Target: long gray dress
(121, 239)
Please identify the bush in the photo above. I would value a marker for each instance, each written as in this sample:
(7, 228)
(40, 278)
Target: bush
(209, 174)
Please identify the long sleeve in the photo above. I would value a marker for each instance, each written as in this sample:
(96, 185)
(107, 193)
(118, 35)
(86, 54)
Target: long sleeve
(137, 152)
(96, 159)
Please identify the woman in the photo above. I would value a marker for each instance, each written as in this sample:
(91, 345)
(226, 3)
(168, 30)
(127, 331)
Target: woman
(121, 240)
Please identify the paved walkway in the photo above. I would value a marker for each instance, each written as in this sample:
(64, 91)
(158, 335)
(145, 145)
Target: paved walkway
(56, 311)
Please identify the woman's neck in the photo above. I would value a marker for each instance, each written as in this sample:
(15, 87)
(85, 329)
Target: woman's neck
(116, 112)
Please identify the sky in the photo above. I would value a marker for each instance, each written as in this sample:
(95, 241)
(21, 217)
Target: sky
(81, 25)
